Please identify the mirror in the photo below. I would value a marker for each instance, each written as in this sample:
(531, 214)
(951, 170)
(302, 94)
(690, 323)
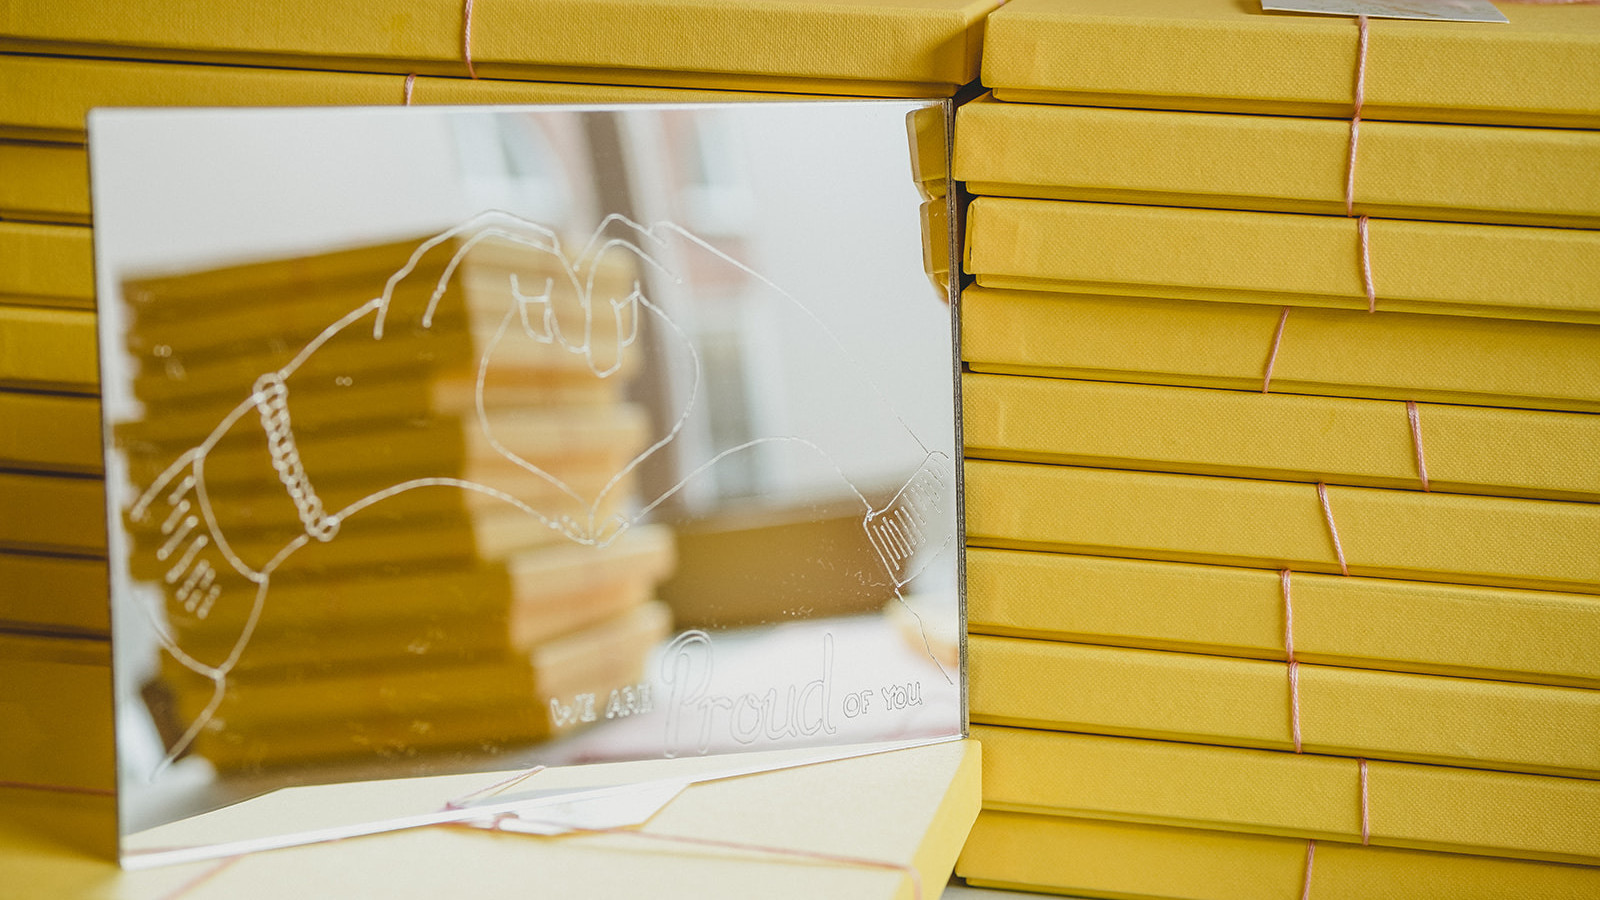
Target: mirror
(448, 441)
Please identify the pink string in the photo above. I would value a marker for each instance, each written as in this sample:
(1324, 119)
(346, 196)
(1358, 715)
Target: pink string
(457, 803)
(1350, 163)
(202, 878)
(466, 38)
(501, 786)
(1272, 355)
(493, 789)
(909, 870)
(1355, 117)
(1327, 513)
(1294, 664)
(411, 81)
(1366, 821)
(58, 788)
(1366, 265)
(1416, 442)
(1311, 855)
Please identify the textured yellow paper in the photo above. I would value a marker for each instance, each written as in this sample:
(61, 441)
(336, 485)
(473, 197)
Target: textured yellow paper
(1460, 173)
(50, 433)
(1543, 637)
(55, 696)
(46, 265)
(1342, 353)
(44, 182)
(58, 594)
(1410, 805)
(1094, 858)
(1284, 437)
(1223, 55)
(48, 349)
(52, 514)
(1545, 274)
(50, 97)
(872, 47)
(1498, 542)
(1246, 703)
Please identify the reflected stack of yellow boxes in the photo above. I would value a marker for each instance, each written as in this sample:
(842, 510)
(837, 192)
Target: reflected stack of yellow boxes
(432, 507)
(59, 60)
(1270, 595)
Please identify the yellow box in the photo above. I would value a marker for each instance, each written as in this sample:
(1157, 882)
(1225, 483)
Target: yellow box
(1246, 703)
(46, 265)
(1342, 353)
(48, 350)
(57, 594)
(1096, 858)
(301, 713)
(1507, 271)
(52, 514)
(45, 182)
(1542, 637)
(1404, 170)
(1408, 805)
(50, 97)
(1233, 57)
(1284, 437)
(50, 433)
(869, 47)
(55, 696)
(1456, 538)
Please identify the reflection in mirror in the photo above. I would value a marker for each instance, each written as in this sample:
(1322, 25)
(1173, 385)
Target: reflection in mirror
(447, 441)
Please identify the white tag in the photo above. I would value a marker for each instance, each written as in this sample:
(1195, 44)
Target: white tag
(1429, 10)
(623, 808)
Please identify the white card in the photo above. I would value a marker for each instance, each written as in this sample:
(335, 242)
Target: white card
(1428, 10)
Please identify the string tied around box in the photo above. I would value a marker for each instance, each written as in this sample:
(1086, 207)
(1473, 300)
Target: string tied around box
(1294, 664)
(1355, 137)
(411, 83)
(1288, 623)
(1366, 835)
(1333, 528)
(466, 38)
(1350, 165)
(1272, 354)
(1366, 808)
(1415, 418)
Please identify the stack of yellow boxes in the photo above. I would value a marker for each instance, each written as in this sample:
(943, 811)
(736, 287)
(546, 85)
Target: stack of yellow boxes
(59, 60)
(1271, 595)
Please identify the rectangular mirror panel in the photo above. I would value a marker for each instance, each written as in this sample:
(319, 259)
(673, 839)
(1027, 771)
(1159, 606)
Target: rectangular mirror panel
(461, 440)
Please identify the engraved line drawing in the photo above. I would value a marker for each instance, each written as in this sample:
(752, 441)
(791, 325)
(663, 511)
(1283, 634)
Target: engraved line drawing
(202, 562)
